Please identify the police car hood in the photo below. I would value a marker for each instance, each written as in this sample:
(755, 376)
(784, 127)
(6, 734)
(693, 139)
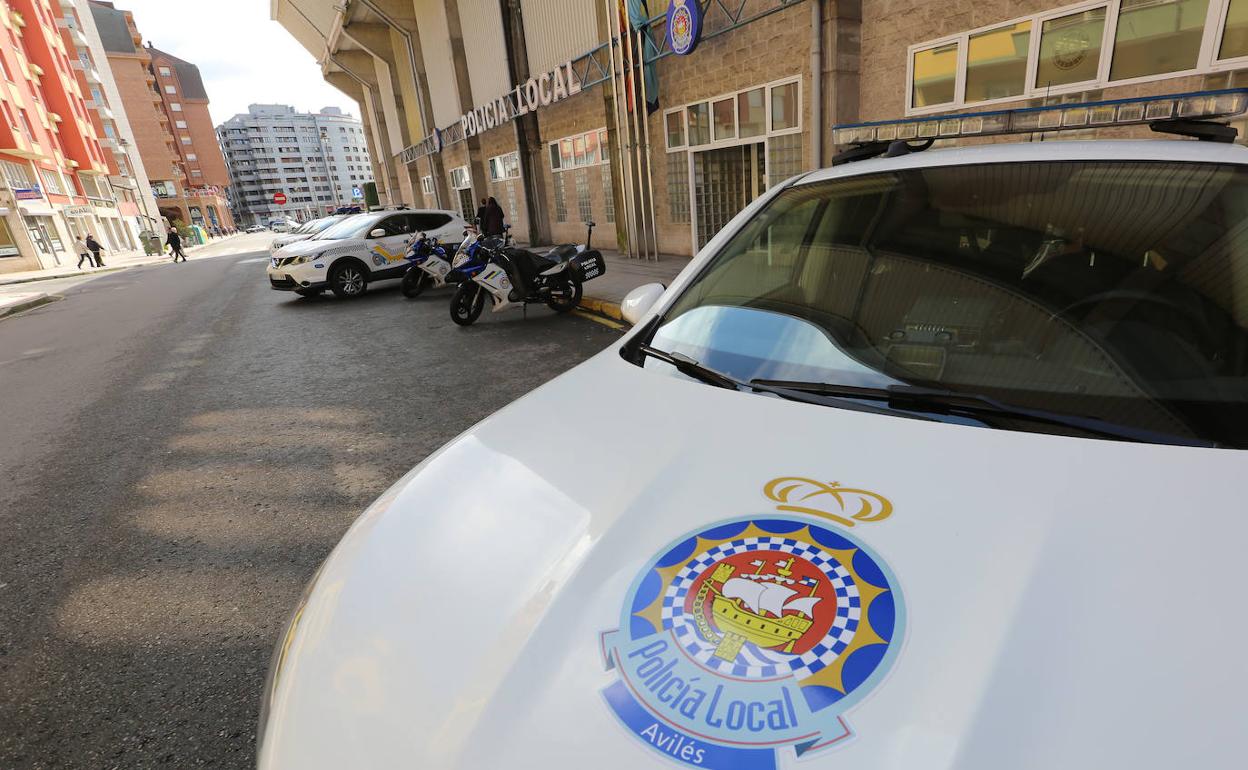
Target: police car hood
(286, 240)
(1056, 602)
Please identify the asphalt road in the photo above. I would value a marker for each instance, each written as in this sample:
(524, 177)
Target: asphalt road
(180, 447)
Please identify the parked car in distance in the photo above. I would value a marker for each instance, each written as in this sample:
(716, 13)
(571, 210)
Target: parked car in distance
(305, 231)
(256, 229)
(358, 250)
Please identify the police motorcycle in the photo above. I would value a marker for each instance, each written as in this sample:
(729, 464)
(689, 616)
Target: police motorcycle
(519, 277)
(431, 262)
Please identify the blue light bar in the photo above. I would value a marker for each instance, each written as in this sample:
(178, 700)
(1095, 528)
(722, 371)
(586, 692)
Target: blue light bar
(1197, 105)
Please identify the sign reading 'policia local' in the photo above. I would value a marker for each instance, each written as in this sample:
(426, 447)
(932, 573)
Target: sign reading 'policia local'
(541, 91)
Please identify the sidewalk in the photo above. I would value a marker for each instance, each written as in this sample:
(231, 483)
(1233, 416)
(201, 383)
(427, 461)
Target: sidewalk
(603, 295)
(112, 261)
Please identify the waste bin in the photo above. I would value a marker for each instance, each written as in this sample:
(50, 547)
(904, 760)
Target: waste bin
(152, 242)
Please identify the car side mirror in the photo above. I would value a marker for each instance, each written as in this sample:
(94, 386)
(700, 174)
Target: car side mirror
(377, 233)
(638, 302)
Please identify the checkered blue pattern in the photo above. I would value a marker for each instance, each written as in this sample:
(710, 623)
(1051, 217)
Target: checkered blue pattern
(755, 662)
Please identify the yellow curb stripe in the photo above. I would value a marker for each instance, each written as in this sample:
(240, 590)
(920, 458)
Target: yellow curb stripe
(607, 322)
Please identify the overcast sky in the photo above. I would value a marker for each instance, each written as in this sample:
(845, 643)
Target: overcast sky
(244, 57)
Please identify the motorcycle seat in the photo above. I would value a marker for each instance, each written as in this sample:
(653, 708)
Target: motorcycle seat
(561, 253)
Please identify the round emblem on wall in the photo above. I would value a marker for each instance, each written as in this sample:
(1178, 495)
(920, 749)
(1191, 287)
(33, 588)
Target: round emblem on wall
(1070, 50)
(684, 26)
(751, 636)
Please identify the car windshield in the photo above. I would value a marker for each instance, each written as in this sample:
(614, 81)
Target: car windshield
(308, 227)
(355, 226)
(1110, 289)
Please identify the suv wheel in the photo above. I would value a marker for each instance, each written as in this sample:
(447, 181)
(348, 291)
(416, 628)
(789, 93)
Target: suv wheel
(347, 280)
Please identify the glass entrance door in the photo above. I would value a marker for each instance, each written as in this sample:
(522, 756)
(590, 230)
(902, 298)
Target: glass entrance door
(725, 180)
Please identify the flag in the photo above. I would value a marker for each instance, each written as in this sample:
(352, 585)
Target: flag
(638, 15)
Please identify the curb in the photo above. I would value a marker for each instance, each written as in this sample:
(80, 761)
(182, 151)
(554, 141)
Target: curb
(30, 304)
(157, 259)
(603, 307)
(33, 278)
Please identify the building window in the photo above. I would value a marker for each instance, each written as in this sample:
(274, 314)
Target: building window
(426, 185)
(16, 176)
(51, 181)
(1155, 37)
(934, 78)
(186, 140)
(171, 89)
(196, 173)
(1070, 49)
(561, 209)
(784, 158)
(608, 194)
(751, 113)
(191, 156)
(678, 187)
(504, 167)
(724, 119)
(576, 151)
(182, 124)
(175, 107)
(996, 62)
(583, 205)
(164, 72)
(675, 122)
(699, 122)
(1234, 41)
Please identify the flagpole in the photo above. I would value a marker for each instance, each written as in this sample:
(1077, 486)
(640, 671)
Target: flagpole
(642, 37)
(632, 75)
(621, 130)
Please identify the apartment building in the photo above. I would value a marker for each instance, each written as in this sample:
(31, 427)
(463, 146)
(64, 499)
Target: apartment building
(318, 160)
(53, 167)
(167, 105)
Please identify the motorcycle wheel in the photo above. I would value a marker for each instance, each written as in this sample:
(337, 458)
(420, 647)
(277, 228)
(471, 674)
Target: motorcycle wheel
(467, 303)
(568, 299)
(414, 282)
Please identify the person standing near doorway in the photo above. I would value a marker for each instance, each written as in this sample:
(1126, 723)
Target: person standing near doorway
(494, 219)
(95, 247)
(174, 242)
(84, 253)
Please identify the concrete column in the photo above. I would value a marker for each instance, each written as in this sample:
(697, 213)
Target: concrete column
(362, 94)
(376, 41)
(842, 63)
(361, 65)
(476, 163)
(529, 143)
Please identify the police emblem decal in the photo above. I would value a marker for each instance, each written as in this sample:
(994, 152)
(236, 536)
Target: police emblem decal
(684, 26)
(749, 637)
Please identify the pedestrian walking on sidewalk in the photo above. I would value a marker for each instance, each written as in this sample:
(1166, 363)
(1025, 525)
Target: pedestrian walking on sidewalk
(95, 247)
(174, 242)
(84, 253)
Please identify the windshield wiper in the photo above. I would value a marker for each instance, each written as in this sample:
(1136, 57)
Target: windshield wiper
(690, 368)
(909, 398)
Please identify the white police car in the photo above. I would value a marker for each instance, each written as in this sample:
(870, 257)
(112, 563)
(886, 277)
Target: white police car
(305, 231)
(357, 251)
(926, 461)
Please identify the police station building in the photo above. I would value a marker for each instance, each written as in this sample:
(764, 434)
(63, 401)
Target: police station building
(662, 119)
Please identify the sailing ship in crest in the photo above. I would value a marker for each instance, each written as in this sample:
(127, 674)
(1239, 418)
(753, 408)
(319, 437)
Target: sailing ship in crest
(757, 607)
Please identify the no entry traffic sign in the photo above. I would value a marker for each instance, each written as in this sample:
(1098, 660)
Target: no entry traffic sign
(279, 198)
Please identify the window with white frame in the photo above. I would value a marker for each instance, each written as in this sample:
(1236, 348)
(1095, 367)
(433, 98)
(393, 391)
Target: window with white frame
(1078, 47)
(461, 179)
(16, 176)
(171, 89)
(426, 185)
(51, 181)
(578, 151)
(175, 107)
(505, 166)
(768, 110)
(164, 72)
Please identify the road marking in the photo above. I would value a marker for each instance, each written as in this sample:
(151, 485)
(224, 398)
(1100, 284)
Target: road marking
(607, 322)
(253, 259)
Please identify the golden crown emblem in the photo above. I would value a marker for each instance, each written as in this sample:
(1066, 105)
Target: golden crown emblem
(796, 494)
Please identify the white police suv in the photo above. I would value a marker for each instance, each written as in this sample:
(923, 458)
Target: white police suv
(305, 231)
(927, 461)
(357, 251)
